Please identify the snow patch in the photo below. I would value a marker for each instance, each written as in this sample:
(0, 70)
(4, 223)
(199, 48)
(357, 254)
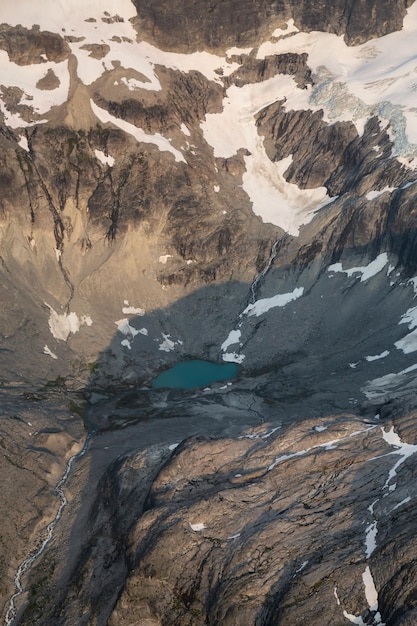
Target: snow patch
(405, 450)
(328, 445)
(383, 386)
(185, 130)
(371, 195)
(265, 304)
(197, 527)
(375, 357)
(23, 143)
(105, 159)
(164, 258)
(49, 352)
(408, 343)
(274, 199)
(158, 140)
(167, 344)
(405, 501)
(231, 52)
(62, 325)
(131, 310)
(129, 332)
(370, 538)
(367, 271)
(234, 337)
(233, 357)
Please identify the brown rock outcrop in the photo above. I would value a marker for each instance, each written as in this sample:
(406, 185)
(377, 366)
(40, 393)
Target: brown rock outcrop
(194, 25)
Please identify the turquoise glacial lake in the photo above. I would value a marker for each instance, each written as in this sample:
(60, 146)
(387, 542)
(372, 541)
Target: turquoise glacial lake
(192, 374)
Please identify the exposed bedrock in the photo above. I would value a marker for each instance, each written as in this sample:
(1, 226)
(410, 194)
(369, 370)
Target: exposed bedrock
(26, 46)
(230, 543)
(193, 24)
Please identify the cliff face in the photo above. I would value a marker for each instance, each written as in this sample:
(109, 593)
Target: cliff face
(189, 24)
(233, 182)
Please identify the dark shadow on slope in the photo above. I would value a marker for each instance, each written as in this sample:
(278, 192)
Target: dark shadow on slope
(296, 366)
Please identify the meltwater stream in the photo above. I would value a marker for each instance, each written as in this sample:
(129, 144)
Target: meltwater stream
(28, 562)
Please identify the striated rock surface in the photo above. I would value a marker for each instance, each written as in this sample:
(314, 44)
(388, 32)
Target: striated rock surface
(299, 524)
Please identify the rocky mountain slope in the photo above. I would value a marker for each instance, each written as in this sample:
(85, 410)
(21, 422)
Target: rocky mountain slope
(231, 182)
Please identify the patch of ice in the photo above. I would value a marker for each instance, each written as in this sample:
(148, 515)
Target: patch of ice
(408, 343)
(405, 450)
(197, 527)
(158, 140)
(371, 593)
(284, 32)
(173, 446)
(320, 429)
(371, 195)
(397, 506)
(132, 84)
(217, 189)
(185, 130)
(233, 357)
(353, 365)
(234, 536)
(380, 387)
(131, 310)
(302, 566)
(274, 199)
(106, 160)
(49, 352)
(129, 332)
(329, 445)
(264, 435)
(23, 143)
(234, 337)
(238, 51)
(62, 325)
(167, 344)
(354, 619)
(164, 258)
(375, 357)
(367, 271)
(371, 596)
(265, 304)
(412, 281)
(370, 538)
